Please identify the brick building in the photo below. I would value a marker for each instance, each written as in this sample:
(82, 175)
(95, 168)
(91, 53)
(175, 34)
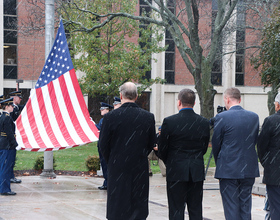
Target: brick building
(23, 57)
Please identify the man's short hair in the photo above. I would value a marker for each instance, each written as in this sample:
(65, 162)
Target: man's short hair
(233, 93)
(129, 91)
(187, 97)
(277, 98)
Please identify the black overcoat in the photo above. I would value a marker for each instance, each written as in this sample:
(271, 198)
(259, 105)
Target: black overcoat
(269, 149)
(183, 141)
(126, 138)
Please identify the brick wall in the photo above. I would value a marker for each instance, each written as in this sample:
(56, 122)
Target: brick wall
(31, 48)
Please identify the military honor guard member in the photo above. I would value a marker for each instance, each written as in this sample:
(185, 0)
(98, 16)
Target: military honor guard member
(117, 102)
(8, 146)
(16, 95)
(104, 109)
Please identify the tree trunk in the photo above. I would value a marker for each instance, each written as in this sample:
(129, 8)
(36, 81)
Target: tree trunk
(205, 90)
(270, 100)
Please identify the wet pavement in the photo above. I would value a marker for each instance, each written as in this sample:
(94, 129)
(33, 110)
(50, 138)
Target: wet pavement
(77, 197)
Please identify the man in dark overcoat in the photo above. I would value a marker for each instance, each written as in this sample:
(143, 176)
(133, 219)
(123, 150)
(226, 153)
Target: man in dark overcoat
(8, 146)
(183, 141)
(269, 155)
(126, 138)
(233, 144)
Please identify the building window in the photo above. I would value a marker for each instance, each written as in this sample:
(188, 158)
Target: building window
(10, 39)
(240, 43)
(170, 52)
(144, 8)
(216, 74)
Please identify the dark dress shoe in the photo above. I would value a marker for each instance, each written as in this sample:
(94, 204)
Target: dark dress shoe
(102, 187)
(150, 174)
(8, 193)
(15, 180)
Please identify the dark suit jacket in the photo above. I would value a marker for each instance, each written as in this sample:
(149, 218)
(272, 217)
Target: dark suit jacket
(269, 149)
(183, 141)
(126, 138)
(233, 144)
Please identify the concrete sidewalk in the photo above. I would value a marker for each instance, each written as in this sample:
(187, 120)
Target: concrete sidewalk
(72, 197)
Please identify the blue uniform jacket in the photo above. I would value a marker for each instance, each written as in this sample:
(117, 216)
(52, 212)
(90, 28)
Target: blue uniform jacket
(7, 135)
(233, 144)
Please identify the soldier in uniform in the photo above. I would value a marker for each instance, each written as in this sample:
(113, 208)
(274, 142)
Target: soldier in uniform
(16, 95)
(104, 109)
(117, 102)
(8, 146)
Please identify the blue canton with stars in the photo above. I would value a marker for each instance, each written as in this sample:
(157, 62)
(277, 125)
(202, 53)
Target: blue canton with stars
(58, 61)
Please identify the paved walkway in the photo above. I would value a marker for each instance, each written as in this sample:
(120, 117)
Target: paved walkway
(72, 197)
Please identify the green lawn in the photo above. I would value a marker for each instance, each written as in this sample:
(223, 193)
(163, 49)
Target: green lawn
(73, 159)
(69, 159)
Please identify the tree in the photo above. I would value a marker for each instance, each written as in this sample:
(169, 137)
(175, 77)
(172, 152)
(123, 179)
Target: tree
(191, 40)
(199, 47)
(108, 56)
(269, 57)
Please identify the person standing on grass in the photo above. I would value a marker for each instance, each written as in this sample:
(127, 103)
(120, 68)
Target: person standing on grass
(8, 146)
(126, 138)
(183, 141)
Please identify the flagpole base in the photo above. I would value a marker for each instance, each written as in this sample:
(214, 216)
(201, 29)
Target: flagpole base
(48, 173)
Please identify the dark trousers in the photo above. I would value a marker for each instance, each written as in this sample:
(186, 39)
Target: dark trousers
(13, 155)
(6, 166)
(104, 167)
(181, 193)
(237, 198)
(273, 193)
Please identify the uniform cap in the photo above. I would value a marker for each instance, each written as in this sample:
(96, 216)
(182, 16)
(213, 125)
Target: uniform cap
(117, 100)
(105, 106)
(7, 101)
(16, 93)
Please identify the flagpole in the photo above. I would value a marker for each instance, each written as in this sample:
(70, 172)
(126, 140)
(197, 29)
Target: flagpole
(49, 40)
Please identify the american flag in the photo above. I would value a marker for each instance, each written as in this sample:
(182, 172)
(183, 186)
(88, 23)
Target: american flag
(55, 116)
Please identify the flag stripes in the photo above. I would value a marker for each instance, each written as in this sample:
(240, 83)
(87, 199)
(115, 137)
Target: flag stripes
(56, 116)
(56, 129)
